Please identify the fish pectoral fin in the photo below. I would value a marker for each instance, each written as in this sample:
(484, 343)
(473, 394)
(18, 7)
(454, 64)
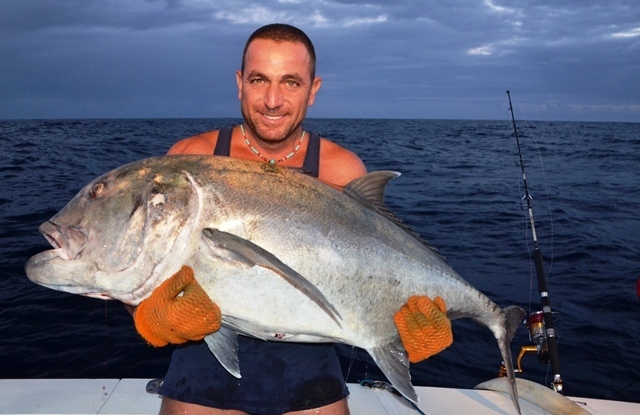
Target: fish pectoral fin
(229, 246)
(392, 359)
(224, 346)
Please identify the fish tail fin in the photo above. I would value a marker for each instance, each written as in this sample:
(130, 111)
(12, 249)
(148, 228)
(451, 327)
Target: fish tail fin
(508, 364)
(513, 317)
(392, 359)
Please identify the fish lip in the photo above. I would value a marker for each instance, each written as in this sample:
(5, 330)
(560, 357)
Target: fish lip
(99, 296)
(52, 240)
(68, 241)
(72, 289)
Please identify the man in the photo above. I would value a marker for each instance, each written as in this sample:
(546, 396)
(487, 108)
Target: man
(276, 85)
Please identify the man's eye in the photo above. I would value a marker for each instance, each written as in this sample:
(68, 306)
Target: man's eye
(293, 84)
(257, 81)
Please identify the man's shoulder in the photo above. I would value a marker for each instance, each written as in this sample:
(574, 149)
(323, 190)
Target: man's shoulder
(339, 165)
(203, 143)
(334, 151)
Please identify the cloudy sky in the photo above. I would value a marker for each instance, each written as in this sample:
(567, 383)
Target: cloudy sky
(561, 60)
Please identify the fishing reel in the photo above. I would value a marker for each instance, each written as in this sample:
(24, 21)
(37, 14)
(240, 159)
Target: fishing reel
(538, 337)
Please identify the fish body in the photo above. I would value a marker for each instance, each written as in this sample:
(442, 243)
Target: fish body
(285, 256)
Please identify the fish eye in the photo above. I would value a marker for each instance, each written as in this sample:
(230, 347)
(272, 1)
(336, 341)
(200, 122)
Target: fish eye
(96, 190)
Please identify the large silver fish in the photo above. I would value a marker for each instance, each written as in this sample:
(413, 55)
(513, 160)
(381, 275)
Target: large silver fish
(278, 251)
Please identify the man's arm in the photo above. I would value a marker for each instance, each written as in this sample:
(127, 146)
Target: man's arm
(339, 165)
(204, 143)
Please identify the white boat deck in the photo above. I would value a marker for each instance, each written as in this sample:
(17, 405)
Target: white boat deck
(129, 396)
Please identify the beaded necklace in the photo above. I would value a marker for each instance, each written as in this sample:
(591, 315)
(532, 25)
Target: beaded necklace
(268, 160)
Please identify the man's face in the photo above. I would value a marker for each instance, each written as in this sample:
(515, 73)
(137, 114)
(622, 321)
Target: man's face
(276, 88)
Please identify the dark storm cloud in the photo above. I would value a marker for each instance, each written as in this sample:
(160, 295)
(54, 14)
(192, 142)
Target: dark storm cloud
(411, 59)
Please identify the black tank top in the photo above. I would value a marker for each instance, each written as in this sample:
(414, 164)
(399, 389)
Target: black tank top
(311, 165)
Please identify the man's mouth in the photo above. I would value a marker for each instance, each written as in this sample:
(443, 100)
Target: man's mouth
(272, 118)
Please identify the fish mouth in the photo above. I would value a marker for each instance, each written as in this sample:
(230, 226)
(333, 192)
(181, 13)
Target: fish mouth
(73, 289)
(68, 242)
(99, 296)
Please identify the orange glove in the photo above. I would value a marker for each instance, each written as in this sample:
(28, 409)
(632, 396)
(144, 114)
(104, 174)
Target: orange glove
(168, 317)
(423, 327)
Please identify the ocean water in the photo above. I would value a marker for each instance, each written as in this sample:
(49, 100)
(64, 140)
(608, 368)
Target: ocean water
(461, 189)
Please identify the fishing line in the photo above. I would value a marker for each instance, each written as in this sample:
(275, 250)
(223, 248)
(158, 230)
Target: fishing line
(549, 211)
(106, 333)
(353, 353)
(551, 257)
(378, 384)
(540, 324)
(546, 190)
(518, 179)
(626, 387)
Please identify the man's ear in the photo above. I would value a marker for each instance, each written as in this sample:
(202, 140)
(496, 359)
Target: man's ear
(239, 83)
(315, 86)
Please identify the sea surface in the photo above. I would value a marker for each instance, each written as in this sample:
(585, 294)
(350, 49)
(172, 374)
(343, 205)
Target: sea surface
(461, 189)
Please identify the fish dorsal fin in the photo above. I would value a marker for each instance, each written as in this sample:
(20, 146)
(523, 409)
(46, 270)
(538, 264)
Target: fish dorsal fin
(368, 190)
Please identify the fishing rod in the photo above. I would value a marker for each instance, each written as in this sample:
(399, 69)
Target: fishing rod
(539, 323)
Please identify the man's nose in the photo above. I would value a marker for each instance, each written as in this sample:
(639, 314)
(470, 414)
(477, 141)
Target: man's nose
(273, 98)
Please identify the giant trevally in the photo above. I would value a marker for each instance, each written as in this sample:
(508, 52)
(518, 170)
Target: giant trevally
(278, 251)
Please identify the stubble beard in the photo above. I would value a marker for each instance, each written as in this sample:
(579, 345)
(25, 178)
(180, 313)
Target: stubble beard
(266, 135)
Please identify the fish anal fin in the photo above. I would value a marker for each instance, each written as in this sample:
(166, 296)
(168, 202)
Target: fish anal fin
(392, 360)
(224, 346)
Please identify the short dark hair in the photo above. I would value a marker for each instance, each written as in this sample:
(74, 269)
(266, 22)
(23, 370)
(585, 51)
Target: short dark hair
(280, 32)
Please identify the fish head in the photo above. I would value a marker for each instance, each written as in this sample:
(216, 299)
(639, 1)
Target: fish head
(121, 235)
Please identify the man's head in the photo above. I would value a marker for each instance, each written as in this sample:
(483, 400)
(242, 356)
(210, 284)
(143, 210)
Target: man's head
(280, 32)
(277, 82)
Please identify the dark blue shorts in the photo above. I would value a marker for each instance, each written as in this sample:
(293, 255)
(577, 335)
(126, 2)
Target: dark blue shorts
(277, 377)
